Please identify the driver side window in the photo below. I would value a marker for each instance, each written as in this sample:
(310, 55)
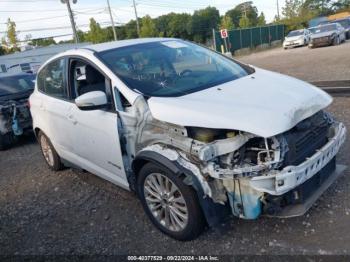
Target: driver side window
(85, 78)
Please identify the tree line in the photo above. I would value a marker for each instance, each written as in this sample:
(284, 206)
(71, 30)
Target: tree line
(195, 27)
(297, 13)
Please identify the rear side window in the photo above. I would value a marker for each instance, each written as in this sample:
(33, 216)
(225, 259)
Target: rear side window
(51, 79)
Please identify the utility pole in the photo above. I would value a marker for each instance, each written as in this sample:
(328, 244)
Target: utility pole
(112, 21)
(137, 19)
(278, 11)
(67, 2)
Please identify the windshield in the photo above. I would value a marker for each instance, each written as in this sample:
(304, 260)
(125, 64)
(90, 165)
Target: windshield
(295, 33)
(323, 28)
(16, 84)
(170, 68)
(345, 23)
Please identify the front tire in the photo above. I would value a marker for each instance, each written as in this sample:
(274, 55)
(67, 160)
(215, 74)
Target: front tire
(171, 205)
(51, 157)
(336, 40)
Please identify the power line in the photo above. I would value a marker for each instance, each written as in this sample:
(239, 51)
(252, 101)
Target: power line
(24, 41)
(27, 1)
(31, 11)
(37, 19)
(55, 28)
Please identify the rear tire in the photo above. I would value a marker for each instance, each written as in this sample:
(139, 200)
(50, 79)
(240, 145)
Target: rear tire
(50, 155)
(171, 205)
(6, 140)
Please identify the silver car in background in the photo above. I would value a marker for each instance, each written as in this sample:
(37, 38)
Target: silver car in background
(327, 34)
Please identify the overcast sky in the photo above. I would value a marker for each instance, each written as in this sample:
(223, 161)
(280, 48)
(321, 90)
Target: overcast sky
(34, 15)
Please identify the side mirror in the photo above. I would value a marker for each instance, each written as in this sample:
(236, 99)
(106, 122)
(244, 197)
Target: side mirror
(92, 101)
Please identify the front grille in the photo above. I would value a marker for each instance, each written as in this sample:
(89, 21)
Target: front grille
(320, 39)
(305, 138)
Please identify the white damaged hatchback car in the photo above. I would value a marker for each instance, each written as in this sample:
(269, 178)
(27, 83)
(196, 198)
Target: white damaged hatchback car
(196, 135)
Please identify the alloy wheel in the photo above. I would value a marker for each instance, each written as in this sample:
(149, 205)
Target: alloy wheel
(47, 150)
(166, 202)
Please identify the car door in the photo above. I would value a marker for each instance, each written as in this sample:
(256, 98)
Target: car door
(95, 132)
(54, 105)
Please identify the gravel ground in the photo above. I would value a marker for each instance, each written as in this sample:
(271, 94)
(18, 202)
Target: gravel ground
(47, 213)
(319, 64)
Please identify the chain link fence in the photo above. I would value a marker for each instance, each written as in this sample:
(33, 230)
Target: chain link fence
(250, 37)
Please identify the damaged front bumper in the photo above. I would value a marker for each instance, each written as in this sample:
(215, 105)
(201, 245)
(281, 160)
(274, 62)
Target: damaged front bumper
(290, 177)
(278, 193)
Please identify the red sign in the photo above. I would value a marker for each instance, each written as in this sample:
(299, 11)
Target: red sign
(223, 33)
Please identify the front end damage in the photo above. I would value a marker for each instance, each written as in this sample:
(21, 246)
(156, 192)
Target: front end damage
(15, 120)
(250, 174)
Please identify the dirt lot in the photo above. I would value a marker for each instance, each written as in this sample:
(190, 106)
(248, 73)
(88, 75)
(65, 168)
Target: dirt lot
(319, 64)
(42, 212)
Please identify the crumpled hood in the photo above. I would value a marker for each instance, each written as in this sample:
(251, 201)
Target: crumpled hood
(263, 103)
(323, 34)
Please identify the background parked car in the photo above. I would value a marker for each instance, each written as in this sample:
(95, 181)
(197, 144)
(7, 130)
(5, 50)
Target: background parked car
(297, 38)
(345, 22)
(15, 118)
(327, 34)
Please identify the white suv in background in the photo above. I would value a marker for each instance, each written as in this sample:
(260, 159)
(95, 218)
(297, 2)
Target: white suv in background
(296, 38)
(196, 135)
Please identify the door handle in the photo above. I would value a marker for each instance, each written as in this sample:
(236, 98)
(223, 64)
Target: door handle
(72, 119)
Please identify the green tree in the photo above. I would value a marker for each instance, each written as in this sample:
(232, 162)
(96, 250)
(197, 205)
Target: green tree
(180, 26)
(4, 43)
(226, 23)
(130, 29)
(96, 34)
(162, 24)
(297, 13)
(81, 36)
(244, 22)
(291, 9)
(319, 7)
(43, 41)
(341, 5)
(261, 20)
(11, 33)
(148, 27)
(203, 21)
(246, 9)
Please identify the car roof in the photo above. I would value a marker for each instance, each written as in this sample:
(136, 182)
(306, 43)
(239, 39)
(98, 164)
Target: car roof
(122, 43)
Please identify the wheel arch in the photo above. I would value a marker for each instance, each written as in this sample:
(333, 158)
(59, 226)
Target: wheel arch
(214, 213)
(36, 131)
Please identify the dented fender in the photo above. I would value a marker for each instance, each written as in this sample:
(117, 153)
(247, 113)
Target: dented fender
(213, 212)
